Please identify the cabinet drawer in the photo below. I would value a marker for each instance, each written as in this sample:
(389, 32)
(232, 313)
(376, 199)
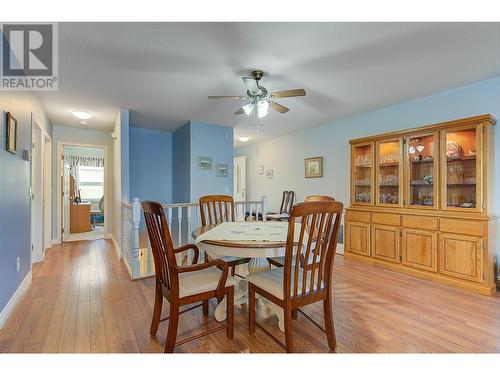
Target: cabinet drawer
(386, 219)
(358, 216)
(473, 228)
(420, 222)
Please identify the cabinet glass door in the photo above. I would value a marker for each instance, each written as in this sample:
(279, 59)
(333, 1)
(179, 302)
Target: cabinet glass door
(389, 172)
(461, 152)
(362, 168)
(422, 171)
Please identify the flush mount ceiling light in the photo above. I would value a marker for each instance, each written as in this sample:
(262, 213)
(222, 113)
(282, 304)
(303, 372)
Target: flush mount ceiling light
(243, 139)
(82, 115)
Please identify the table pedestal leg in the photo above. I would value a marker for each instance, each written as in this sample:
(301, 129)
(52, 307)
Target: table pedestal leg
(240, 296)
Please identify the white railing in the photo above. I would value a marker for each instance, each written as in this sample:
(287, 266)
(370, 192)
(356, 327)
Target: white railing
(182, 219)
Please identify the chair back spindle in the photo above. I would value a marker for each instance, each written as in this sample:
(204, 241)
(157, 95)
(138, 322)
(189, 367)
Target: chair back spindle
(215, 209)
(316, 245)
(287, 202)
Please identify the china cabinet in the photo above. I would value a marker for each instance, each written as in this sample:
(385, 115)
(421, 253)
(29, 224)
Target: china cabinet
(421, 202)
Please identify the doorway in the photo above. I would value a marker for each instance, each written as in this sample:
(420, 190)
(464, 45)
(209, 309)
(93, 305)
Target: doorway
(83, 186)
(40, 192)
(240, 178)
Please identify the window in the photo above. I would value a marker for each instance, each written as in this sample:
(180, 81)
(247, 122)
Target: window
(91, 183)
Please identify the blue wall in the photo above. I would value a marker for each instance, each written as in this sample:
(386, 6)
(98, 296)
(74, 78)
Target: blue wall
(181, 146)
(216, 142)
(15, 205)
(286, 154)
(151, 165)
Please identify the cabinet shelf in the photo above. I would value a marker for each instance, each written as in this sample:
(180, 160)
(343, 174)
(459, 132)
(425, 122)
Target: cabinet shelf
(463, 158)
(422, 161)
(363, 166)
(389, 164)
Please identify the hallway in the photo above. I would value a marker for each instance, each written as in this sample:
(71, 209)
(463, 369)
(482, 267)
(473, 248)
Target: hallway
(82, 300)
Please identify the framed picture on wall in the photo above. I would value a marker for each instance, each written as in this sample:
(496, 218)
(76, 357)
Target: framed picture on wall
(260, 170)
(11, 143)
(204, 163)
(269, 173)
(222, 170)
(314, 167)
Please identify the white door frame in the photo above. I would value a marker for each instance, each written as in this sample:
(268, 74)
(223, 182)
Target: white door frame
(47, 191)
(41, 217)
(236, 164)
(60, 150)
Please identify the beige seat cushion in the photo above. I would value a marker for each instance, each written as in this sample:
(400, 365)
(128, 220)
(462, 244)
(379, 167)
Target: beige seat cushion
(226, 259)
(272, 281)
(196, 282)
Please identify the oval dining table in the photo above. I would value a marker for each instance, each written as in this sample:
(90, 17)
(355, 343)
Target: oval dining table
(256, 250)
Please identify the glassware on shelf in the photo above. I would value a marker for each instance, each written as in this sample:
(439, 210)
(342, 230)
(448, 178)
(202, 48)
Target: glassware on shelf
(388, 180)
(363, 197)
(389, 159)
(363, 160)
(461, 153)
(363, 182)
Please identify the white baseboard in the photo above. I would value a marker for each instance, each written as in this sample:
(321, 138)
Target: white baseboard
(115, 244)
(56, 241)
(14, 300)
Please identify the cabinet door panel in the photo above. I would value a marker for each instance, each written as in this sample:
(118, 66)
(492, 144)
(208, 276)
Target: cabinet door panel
(461, 256)
(385, 242)
(420, 249)
(461, 168)
(358, 238)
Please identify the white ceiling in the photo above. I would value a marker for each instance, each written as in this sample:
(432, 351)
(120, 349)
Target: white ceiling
(163, 72)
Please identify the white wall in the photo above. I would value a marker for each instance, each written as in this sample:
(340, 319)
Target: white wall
(120, 170)
(79, 136)
(286, 154)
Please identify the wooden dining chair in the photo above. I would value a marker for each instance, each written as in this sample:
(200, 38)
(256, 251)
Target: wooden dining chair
(292, 286)
(319, 198)
(186, 284)
(286, 205)
(280, 261)
(215, 209)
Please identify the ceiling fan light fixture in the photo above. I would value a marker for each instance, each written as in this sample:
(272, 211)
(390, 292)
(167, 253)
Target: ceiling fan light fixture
(262, 108)
(248, 108)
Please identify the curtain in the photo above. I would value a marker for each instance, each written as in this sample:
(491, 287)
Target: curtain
(84, 161)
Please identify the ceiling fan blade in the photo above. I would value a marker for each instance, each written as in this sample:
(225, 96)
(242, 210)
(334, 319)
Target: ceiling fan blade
(251, 85)
(235, 97)
(239, 111)
(278, 107)
(288, 93)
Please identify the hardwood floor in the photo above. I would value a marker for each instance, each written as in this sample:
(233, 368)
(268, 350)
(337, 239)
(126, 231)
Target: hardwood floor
(82, 300)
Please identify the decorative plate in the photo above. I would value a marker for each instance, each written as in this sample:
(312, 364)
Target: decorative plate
(453, 150)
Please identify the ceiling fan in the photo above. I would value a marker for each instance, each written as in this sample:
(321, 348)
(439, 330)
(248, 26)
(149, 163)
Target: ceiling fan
(260, 98)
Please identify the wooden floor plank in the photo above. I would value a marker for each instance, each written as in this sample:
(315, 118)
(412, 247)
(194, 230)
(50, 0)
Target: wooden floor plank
(82, 300)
